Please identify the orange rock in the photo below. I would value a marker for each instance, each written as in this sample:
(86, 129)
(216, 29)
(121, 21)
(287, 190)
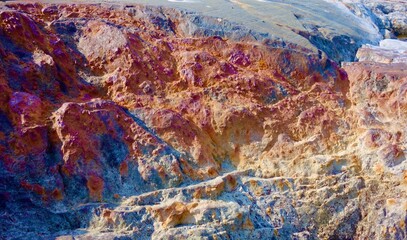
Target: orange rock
(57, 194)
(95, 186)
(173, 214)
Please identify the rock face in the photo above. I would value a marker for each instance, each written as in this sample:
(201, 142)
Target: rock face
(389, 51)
(115, 122)
(389, 16)
(380, 102)
(314, 25)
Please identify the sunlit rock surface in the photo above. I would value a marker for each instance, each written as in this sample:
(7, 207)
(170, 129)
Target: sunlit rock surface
(388, 15)
(121, 122)
(314, 25)
(388, 51)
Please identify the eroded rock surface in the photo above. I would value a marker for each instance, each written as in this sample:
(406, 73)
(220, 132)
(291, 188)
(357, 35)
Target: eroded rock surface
(314, 25)
(126, 126)
(389, 51)
(389, 16)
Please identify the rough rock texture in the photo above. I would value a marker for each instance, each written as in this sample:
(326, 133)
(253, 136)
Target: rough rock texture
(319, 26)
(116, 123)
(388, 15)
(380, 102)
(389, 51)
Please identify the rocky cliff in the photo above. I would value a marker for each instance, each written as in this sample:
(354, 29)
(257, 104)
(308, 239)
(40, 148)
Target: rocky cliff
(118, 123)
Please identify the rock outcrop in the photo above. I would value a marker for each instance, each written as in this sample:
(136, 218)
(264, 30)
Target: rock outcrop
(318, 26)
(378, 92)
(116, 122)
(389, 16)
(389, 51)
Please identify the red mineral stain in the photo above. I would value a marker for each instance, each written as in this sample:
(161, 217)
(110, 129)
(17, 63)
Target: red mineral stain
(95, 186)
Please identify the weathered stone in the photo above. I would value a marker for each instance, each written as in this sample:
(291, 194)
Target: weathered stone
(139, 122)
